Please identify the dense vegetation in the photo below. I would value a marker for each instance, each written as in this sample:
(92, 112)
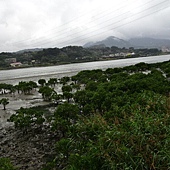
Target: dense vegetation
(5, 164)
(69, 54)
(111, 119)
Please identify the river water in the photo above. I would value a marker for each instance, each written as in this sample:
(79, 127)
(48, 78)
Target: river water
(35, 73)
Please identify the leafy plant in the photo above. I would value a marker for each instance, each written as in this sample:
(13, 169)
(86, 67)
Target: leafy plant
(26, 118)
(4, 102)
(5, 164)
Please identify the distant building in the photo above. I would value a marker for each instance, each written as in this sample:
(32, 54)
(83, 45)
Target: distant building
(130, 54)
(117, 55)
(33, 62)
(16, 64)
(111, 55)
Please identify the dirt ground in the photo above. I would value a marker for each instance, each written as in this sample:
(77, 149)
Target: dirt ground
(29, 151)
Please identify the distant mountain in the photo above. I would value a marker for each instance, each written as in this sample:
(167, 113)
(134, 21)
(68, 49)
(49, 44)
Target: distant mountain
(109, 42)
(143, 42)
(146, 42)
(30, 50)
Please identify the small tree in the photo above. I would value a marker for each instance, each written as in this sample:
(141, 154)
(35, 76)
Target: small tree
(26, 118)
(56, 97)
(65, 116)
(64, 80)
(66, 88)
(67, 95)
(42, 82)
(46, 92)
(4, 102)
(52, 81)
(67, 92)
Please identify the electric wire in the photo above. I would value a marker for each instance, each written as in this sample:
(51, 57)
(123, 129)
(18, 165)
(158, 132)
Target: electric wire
(72, 20)
(64, 32)
(115, 27)
(74, 40)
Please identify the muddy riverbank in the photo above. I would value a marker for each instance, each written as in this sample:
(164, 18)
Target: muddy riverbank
(28, 151)
(15, 102)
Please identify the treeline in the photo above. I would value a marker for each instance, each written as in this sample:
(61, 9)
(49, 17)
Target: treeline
(112, 119)
(69, 54)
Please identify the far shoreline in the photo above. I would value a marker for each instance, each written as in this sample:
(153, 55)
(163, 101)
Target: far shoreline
(66, 63)
(58, 71)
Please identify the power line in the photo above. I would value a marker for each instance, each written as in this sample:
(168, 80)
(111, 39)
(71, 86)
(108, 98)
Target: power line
(128, 22)
(65, 32)
(72, 20)
(115, 27)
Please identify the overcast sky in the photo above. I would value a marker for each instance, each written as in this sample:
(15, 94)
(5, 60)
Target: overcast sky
(28, 24)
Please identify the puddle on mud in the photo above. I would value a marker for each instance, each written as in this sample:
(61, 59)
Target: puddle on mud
(16, 102)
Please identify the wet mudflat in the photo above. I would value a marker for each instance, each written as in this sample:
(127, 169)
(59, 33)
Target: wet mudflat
(15, 102)
(26, 151)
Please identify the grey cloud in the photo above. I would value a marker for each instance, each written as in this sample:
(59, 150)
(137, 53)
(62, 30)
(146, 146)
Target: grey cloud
(41, 23)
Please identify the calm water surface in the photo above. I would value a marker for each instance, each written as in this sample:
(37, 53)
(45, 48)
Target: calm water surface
(35, 73)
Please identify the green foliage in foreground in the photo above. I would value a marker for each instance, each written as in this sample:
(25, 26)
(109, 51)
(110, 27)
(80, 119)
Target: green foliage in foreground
(5, 164)
(136, 140)
(136, 136)
(124, 122)
(120, 120)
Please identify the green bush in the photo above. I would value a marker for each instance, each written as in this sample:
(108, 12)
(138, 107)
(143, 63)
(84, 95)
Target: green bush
(5, 164)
